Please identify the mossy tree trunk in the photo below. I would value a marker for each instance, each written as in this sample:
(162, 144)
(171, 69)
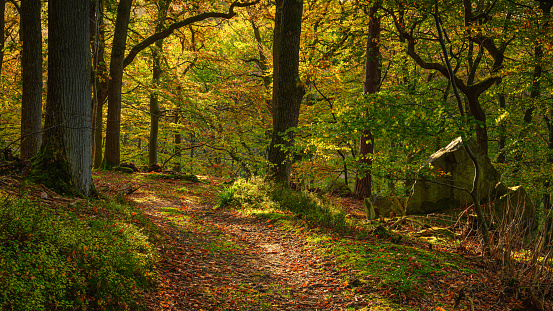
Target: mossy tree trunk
(65, 157)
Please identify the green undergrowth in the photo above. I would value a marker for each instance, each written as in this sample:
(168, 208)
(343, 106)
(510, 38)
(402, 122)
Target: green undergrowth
(93, 255)
(263, 197)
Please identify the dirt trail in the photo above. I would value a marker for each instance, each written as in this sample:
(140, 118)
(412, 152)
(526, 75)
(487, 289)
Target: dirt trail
(224, 260)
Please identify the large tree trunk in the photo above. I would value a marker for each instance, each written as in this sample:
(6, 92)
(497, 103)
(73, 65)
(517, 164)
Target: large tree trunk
(112, 155)
(363, 180)
(101, 78)
(31, 68)
(67, 135)
(287, 89)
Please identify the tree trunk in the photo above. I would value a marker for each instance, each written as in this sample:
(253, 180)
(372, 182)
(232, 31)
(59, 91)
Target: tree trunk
(101, 78)
(31, 68)
(363, 180)
(287, 88)
(67, 134)
(502, 139)
(2, 38)
(112, 155)
(155, 113)
(178, 142)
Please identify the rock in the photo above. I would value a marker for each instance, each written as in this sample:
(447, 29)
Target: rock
(455, 169)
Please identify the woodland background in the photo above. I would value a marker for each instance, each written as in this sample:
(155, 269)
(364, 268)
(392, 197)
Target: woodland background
(199, 99)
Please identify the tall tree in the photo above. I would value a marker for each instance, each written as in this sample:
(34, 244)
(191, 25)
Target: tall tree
(363, 182)
(112, 155)
(31, 68)
(65, 149)
(288, 90)
(155, 113)
(101, 78)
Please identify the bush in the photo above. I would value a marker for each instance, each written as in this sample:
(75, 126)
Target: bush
(259, 194)
(53, 259)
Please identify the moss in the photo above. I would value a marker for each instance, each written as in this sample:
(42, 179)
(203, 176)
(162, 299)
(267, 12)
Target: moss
(51, 170)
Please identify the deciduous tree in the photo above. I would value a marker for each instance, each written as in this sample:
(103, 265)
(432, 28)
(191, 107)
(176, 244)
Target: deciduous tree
(288, 90)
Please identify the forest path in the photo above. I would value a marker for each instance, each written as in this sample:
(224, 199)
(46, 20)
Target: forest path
(221, 259)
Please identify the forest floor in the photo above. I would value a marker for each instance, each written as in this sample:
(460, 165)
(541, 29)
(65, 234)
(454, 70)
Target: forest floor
(228, 259)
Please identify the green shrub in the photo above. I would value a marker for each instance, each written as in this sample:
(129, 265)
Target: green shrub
(226, 197)
(54, 259)
(260, 194)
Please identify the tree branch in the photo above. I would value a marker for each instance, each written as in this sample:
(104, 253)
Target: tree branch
(171, 28)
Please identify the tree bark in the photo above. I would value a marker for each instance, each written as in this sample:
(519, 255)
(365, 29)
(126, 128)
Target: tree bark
(112, 155)
(68, 119)
(287, 88)
(31, 69)
(363, 180)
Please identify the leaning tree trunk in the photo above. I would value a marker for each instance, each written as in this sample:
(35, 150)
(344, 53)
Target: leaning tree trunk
(31, 68)
(112, 154)
(287, 90)
(65, 151)
(363, 181)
